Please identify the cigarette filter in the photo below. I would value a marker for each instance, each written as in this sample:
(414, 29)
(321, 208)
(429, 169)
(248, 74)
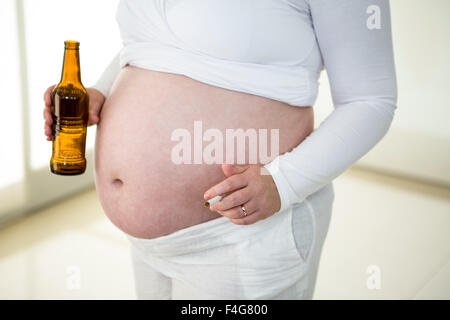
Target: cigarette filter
(210, 202)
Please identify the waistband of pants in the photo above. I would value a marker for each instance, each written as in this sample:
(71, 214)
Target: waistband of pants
(204, 236)
(216, 232)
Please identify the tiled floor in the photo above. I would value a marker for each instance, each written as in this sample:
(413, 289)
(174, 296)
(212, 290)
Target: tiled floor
(389, 238)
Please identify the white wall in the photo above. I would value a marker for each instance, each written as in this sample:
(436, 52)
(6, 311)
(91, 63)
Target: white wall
(418, 144)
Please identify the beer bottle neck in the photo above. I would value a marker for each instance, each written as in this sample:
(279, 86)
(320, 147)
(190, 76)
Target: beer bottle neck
(71, 66)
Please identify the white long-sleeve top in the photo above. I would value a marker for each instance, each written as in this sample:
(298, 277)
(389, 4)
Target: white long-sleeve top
(277, 49)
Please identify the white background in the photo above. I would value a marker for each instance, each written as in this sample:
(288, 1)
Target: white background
(418, 144)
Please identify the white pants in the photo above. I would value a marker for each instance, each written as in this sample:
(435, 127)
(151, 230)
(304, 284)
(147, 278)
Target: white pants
(275, 258)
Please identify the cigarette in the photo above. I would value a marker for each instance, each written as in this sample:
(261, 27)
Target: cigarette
(210, 202)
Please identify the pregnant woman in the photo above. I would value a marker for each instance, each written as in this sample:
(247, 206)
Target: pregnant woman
(192, 71)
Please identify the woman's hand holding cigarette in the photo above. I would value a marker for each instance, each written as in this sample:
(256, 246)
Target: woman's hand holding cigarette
(245, 186)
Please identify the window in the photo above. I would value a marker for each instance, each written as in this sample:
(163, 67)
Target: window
(31, 60)
(47, 24)
(11, 146)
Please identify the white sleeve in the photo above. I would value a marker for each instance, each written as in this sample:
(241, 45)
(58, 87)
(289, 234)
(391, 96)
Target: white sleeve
(106, 80)
(354, 37)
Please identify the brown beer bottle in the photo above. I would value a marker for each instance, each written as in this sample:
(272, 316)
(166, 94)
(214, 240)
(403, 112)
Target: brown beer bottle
(70, 116)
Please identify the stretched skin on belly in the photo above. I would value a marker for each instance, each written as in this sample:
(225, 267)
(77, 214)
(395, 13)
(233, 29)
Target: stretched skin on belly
(141, 190)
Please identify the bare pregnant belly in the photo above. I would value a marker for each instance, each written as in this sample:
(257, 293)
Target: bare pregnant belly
(143, 188)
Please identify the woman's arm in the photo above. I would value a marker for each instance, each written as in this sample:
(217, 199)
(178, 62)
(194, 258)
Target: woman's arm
(354, 37)
(355, 40)
(106, 80)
